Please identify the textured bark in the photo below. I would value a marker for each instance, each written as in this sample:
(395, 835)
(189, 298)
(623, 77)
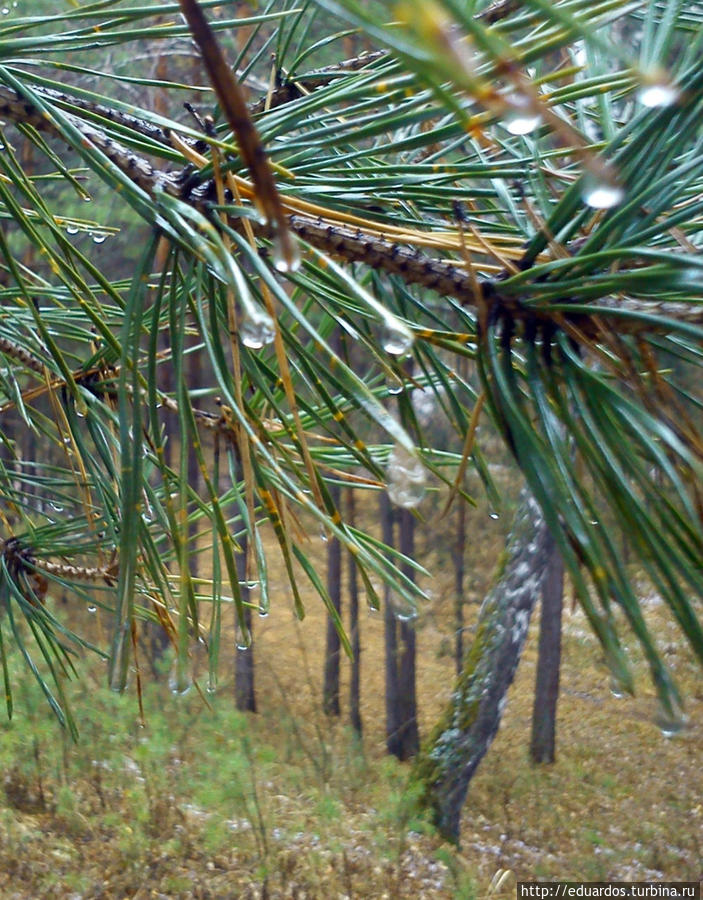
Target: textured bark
(544, 712)
(408, 735)
(466, 729)
(330, 686)
(354, 634)
(458, 560)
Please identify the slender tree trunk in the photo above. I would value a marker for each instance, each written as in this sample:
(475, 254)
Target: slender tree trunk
(244, 690)
(409, 737)
(469, 723)
(330, 687)
(544, 712)
(458, 549)
(393, 703)
(354, 634)
(194, 381)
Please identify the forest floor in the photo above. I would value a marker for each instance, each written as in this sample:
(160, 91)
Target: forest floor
(203, 802)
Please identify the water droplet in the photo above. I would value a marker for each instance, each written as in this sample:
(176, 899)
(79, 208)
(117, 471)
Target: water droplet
(493, 514)
(616, 688)
(242, 638)
(397, 339)
(257, 332)
(660, 93)
(118, 664)
(252, 585)
(324, 537)
(406, 478)
(87, 198)
(403, 609)
(180, 680)
(57, 507)
(5, 10)
(91, 607)
(601, 193)
(211, 686)
(522, 115)
(99, 238)
(71, 229)
(263, 612)
(670, 719)
(286, 255)
(394, 385)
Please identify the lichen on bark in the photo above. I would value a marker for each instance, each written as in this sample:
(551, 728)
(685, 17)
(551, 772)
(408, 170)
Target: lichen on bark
(459, 741)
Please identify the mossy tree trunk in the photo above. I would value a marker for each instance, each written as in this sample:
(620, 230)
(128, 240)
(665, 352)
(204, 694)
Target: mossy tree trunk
(459, 741)
(544, 711)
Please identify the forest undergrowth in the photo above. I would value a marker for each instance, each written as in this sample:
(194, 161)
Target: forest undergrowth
(200, 801)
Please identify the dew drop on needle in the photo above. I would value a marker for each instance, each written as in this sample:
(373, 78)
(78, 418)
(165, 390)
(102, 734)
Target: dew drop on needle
(396, 339)
(257, 332)
(406, 478)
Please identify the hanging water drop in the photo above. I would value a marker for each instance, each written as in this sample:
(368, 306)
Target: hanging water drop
(616, 688)
(403, 609)
(601, 193)
(71, 229)
(263, 612)
(211, 686)
(406, 478)
(99, 238)
(57, 507)
(257, 331)
(242, 638)
(493, 514)
(670, 719)
(397, 339)
(324, 537)
(286, 254)
(657, 91)
(117, 666)
(91, 607)
(394, 385)
(521, 116)
(180, 681)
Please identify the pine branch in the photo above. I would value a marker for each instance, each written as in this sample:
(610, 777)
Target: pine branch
(447, 277)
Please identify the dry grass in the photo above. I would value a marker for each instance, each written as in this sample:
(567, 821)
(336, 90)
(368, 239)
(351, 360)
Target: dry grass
(287, 804)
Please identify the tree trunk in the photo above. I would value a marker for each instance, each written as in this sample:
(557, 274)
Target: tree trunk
(393, 703)
(354, 635)
(330, 687)
(244, 693)
(409, 737)
(458, 558)
(466, 729)
(544, 712)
